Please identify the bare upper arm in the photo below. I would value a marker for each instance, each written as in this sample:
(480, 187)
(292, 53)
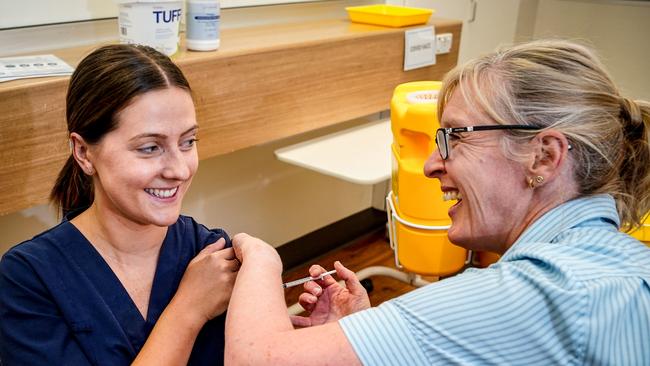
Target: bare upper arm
(319, 345)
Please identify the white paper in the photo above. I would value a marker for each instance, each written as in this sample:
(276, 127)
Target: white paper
(12, 68)
(419, 48)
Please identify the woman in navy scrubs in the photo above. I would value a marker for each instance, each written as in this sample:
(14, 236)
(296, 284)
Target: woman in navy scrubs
(123, 278)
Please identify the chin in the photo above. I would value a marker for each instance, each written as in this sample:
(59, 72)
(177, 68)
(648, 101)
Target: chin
(165, 219)
(166, 223)
(457, 238)
(459, 242)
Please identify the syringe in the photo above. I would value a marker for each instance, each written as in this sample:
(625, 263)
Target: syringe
(307, 279)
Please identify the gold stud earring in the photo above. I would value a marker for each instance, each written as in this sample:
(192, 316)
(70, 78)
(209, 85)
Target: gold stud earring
(533, 182)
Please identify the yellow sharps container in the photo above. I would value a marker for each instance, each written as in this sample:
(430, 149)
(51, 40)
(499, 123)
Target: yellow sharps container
(417, 215)
(643, 233)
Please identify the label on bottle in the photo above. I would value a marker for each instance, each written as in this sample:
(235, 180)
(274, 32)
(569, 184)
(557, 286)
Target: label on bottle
(203, 21)
(152, 24)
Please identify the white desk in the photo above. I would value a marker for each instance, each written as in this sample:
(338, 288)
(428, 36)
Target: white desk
(360, 154)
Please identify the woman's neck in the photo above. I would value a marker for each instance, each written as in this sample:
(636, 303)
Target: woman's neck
(116, 236)
(544, 199)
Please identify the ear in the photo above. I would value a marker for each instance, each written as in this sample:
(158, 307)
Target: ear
(550, 151)
(81, 153)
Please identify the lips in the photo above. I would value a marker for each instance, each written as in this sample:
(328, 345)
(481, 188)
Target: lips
(162, 192)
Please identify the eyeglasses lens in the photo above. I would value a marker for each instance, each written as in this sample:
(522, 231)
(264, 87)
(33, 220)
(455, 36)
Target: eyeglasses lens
(441, 141)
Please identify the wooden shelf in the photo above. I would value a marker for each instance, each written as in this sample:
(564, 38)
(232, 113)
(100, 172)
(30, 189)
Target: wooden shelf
(264, 83)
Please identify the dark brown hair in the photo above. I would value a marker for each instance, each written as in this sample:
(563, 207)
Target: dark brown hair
(105, 82)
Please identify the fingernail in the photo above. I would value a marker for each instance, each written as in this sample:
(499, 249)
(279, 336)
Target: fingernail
(317, 290)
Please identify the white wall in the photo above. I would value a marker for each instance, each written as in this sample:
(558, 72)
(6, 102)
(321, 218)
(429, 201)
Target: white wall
(35, 12)
(486, 23)
(619, 30)
(40, 39)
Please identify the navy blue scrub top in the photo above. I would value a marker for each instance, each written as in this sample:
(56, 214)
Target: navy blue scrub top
(61, 304)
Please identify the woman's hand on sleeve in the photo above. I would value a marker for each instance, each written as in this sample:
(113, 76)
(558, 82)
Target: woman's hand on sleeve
(204, 293)
(326, 300)
(208, 280)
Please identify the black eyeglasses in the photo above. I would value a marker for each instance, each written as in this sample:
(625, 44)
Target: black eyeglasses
(442, 134)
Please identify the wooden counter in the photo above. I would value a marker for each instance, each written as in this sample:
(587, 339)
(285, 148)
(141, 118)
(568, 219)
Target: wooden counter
(264, 83)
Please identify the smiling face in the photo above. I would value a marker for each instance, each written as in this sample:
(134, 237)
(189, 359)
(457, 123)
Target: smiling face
(492, 197)
(145, 166)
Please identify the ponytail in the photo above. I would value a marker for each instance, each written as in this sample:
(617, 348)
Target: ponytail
(73, 188)
(635, 169)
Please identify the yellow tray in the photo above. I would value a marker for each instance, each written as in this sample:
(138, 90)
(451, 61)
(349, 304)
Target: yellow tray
(388, 15)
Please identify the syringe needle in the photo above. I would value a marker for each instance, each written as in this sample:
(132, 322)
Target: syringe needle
(307, 279)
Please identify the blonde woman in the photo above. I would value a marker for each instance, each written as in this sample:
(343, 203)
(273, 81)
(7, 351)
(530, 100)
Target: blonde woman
(546, 161)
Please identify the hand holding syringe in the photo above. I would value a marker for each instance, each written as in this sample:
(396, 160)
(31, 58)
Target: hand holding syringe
(307, 279)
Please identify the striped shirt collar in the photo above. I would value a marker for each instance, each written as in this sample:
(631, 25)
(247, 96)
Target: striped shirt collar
(601, 207)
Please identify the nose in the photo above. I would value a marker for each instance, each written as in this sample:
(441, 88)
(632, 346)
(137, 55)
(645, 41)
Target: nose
(434, 167)
(177, 166)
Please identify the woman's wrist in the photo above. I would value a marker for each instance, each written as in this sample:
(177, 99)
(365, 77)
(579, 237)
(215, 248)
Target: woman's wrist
(173, 336)
(185, 314)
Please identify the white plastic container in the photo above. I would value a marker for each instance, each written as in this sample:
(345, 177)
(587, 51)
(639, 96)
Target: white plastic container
(202, 25)
(153, 23)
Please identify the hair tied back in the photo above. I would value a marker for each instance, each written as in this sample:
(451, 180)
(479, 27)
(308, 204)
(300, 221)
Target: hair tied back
(631, 114)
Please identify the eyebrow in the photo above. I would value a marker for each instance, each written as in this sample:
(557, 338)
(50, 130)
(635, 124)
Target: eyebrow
(160, 135)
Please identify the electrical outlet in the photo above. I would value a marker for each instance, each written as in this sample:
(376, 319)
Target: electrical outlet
(443, 43)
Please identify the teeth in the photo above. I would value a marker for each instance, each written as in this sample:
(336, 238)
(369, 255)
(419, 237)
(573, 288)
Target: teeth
(161, 193)
(451, 195)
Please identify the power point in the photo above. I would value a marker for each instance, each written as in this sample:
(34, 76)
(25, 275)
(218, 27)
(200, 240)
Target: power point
(443, 43)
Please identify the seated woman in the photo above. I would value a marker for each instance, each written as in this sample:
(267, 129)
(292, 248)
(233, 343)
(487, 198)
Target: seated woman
(123, 278)
(560, 162)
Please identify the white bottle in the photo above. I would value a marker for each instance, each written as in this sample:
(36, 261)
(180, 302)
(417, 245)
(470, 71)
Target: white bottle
(202, 24)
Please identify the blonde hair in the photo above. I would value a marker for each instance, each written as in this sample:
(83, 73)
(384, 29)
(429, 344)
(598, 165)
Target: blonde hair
(562, 85)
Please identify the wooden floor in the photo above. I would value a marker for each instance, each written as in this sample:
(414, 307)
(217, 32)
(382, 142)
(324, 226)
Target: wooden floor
(373, 250)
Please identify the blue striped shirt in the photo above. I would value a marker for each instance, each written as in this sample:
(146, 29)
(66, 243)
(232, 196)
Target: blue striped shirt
(571, 290)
